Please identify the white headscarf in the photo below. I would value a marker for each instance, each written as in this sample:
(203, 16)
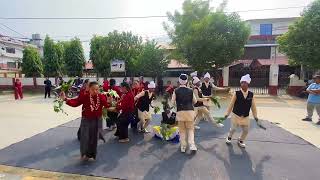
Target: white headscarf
(183, 79)
(207, 75)
(246, 78)
(194, 74)
(195, 80)
(151, 85)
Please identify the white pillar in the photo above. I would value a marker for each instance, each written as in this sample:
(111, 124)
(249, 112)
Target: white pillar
(274, 74)
(273, 79)
(225, 75)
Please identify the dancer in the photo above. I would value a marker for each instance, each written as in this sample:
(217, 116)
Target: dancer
(111, 121)
(168, 130)
(184, 99)
(144, 102)
(241, 103)
(136, 89)
(18, 93)
(125, 108)
(200, 109)
(92, 102)
(207, 86)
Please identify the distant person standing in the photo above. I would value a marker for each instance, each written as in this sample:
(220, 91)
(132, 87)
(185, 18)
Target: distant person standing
(47, 88)
(160, 87)
(18, 89)
(313, 99)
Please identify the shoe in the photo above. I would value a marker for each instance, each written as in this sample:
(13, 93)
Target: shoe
(197, 127)
(318, 123)
(183, 149)
(193, 148)
(307, 119)
(219, 125)
(145, 131)
(241, 144)
(228, 140)
(124, 140)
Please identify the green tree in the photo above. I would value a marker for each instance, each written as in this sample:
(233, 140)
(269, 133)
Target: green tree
(152, 61)
(206, 38)
(31, 62)
(53, 59)
(124, 46)
(302, 42)
(74, 58)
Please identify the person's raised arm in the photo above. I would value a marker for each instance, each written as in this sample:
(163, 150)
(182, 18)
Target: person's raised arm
(139, 95)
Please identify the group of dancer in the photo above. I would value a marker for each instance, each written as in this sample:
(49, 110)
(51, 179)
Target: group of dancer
(191, 100)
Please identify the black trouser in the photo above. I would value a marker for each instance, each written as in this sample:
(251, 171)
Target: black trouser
(135, 119)
(112, 118)
(122, 125)
(47, 91)
(89, 137)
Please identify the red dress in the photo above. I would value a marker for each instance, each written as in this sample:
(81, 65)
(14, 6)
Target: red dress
(18, 90)
(105, 85)
(91, 105)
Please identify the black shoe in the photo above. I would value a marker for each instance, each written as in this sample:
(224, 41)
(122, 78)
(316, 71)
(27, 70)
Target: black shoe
(318, 123)
(307, 119)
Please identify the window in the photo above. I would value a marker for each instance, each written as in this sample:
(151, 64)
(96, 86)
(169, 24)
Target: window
(265, 29)
(10, 50)
(11, 65)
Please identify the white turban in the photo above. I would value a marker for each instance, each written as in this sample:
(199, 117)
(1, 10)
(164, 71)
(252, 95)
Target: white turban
(183, 79)
(246, 78)
(207, 75)
(195, 80)
(194, 74)
(151, 85)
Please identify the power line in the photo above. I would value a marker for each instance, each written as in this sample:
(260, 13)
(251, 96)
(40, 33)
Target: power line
(13, 30)
(132, 17)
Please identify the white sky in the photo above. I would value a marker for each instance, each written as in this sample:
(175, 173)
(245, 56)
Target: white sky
(84, 29)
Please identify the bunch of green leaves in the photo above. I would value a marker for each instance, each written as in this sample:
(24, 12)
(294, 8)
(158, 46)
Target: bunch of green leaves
(113, 93)
(219, 119)
(104, 113)
(215, 101)
(165, 131)
(58, 106)
(156, 109)
(66, 85)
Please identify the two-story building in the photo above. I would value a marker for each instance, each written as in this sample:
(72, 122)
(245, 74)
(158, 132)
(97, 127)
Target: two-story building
(11, 54)
(261, 51)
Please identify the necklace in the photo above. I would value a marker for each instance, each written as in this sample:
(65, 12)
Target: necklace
(93, 106)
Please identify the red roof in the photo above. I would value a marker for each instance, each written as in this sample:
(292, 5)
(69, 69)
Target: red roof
(88, 65)
(176, 64)
(281, 60)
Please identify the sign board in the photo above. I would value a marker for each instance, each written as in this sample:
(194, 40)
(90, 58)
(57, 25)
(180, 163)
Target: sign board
(118, 66)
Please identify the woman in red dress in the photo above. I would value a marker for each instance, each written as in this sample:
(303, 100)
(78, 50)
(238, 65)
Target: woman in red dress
(18, 89)
(92, 103)
(126, 108)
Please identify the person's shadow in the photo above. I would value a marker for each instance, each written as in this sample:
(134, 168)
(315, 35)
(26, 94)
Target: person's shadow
(240, 166)
(169, 167)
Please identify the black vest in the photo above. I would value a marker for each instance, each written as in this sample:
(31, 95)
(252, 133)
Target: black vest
(206, 91)
(168, 120)
(144, 102)
(184, 99)
(199, 103)
(242, 106)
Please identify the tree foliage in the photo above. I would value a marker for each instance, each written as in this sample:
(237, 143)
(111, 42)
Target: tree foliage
(302, 42)
(31, 62)
(152, 61)
(53, 58)
(74, 58)
(207, 38)
(123, 46)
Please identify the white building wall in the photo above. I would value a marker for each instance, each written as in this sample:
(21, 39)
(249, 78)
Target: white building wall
(279, 26)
